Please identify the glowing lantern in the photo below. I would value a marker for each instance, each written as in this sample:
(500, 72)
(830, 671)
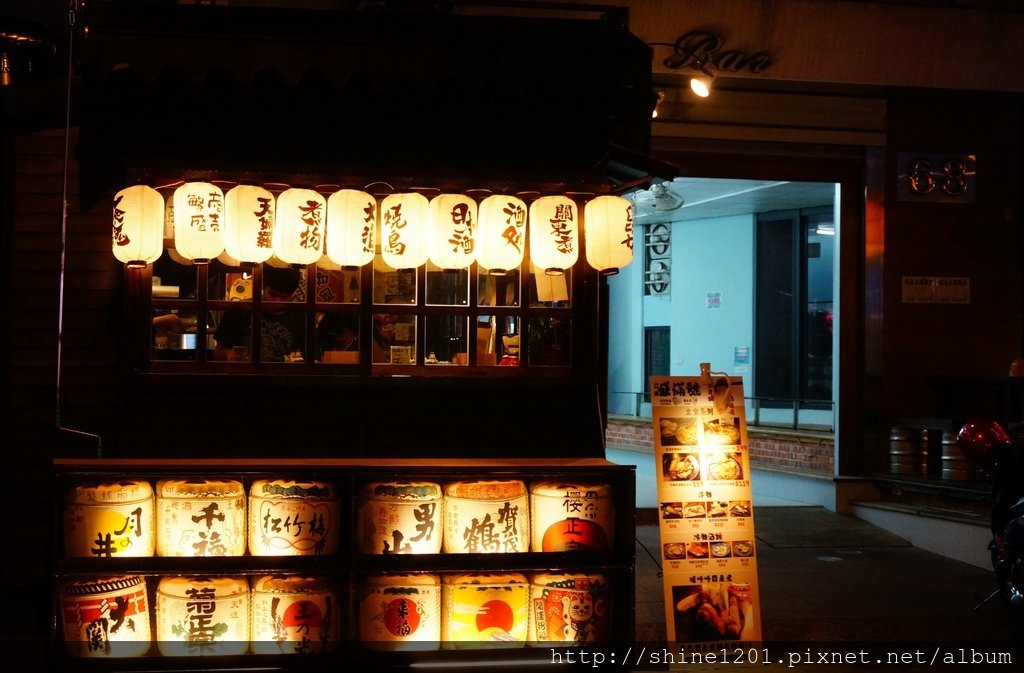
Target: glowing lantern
(403, 230)
(351, 228)
(202, 616)
(300, 226)
(554, 244)
(293, 615)
(138, 226)
(452, 231)
(91, 627)
(485, 610)
(271, 502)
(500, 237)
(111, 520)
(401, 612)
(198, 221)
(200, 517)
(608, 222)
(249, 224)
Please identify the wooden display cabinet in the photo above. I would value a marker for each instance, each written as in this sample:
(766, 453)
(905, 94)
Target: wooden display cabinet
(347, 569)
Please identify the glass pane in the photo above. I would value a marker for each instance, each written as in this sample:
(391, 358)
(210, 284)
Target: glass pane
(393, 286)
(549, 341)
(282, 335)
(233, 335)
(174, 277)
(394, 339)
(336, 286)
(552, 291)
(337, 338)
(498, 290)
(174, 335)
(497, 341)
(816, 377)
(447, 287)
(446, 340)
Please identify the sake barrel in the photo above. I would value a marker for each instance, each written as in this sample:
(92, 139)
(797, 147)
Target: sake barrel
(293, 518)
(400, 612)
(955, 465)
(110, 520)
(199, 616)
(401, 517)
(904, 452)
(485, 610)
(569, 609)
(293, 615)
(486, 517)
(106, 617)
(568, 516)
(200, 517)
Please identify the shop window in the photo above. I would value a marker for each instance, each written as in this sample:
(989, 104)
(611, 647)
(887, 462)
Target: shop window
(657, 351)
(211, 317)
(793, 307)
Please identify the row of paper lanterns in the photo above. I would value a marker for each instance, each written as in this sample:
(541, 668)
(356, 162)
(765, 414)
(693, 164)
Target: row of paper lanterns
(249, 224)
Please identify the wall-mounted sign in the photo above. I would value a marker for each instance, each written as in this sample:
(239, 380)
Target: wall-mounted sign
(706, 517)
(714, 300)
(705, 48)
(935, 178)
(936, 290)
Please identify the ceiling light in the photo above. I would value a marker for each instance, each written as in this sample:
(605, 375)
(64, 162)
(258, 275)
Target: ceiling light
(700, 84)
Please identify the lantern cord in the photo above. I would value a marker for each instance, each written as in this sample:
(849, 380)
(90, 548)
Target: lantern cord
(73, 6)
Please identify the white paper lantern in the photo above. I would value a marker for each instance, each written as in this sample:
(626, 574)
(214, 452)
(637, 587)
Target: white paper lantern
(198, 221)
(138, 226)
(249, 223)
(452, 231)
(608, 226)
(300, 226)
(554, 237)
(403, 230)
(500, 236)
(351, 227)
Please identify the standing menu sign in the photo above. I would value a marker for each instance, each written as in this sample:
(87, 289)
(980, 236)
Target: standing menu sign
(706, 517)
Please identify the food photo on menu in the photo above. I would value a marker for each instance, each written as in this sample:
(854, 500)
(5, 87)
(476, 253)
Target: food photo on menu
(713, 611)
(678, 431)
(677, 466)
(724, 466)
(722, 431)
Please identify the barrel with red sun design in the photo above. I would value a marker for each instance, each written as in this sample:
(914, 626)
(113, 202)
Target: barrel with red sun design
(401, 612)
(293, 615)
(485, 610)
(571, 516)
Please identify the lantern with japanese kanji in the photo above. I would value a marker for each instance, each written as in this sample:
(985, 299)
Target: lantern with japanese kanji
(452, 231)
(351, 228)
(299, 226)
(403, 230)
(501, 233)
(249, 224)
(138, 226)
(554, 234)
(198, 221)
(608, 227)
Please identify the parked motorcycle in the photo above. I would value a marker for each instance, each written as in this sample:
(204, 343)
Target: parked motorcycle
(987, 444)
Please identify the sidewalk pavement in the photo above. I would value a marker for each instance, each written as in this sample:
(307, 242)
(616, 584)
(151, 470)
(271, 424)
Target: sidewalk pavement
(830, 580)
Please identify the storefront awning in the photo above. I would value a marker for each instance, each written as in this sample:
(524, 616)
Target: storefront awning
(328, 95)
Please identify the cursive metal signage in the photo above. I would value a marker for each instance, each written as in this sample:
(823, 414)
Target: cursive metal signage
(700, 49)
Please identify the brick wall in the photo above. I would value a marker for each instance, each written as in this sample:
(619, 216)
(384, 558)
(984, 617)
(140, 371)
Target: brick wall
(795, 451)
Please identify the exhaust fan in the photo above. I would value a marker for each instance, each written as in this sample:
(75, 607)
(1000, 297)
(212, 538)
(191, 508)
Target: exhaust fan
(657, 199)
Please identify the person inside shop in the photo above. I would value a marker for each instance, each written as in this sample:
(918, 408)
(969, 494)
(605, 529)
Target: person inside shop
(337, 332)
(282, 332)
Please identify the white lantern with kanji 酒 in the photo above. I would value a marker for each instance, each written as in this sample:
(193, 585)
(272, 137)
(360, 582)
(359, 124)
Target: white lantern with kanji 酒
(608, 227)
(554, 234)
(138, 226)
(451, 236)
(500, 236)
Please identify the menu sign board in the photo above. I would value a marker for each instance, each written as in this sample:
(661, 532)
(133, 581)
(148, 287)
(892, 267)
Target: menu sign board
(706, 517)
